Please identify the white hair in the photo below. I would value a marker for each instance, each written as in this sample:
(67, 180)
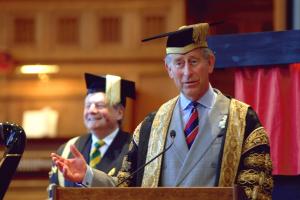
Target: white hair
(206, 54)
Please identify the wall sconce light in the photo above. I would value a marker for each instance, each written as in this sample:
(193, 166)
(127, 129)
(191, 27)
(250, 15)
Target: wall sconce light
(41, 70)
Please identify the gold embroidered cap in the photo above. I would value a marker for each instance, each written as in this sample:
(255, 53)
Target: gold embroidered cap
(115, 88)
(185, 39)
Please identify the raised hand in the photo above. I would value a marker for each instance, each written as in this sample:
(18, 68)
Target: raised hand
(73, 169)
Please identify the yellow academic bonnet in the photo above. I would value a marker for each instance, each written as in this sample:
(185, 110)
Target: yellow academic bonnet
(115, 88)
(186, 38)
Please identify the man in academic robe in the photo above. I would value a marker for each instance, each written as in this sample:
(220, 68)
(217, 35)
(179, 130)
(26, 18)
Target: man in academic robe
(219, 140)
(106, 144)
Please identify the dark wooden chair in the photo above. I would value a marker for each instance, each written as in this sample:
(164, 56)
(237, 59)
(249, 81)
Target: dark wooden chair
(13, 137)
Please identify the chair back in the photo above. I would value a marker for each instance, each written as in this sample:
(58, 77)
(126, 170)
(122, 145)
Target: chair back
(13, 137)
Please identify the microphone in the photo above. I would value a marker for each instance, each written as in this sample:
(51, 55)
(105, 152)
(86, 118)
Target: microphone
(220, 134)
(172, 135)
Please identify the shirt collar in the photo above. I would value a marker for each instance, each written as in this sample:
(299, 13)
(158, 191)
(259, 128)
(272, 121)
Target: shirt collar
(207, 100)
(108, 139)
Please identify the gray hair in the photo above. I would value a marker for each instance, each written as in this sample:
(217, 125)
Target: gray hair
(206, 54)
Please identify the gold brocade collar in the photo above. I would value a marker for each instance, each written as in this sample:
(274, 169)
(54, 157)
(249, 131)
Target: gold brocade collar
(157, 141)
(233, 143)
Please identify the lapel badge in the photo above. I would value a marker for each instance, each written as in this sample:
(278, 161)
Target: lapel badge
(222, 123)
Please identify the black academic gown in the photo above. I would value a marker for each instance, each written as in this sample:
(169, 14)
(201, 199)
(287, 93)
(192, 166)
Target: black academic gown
(244, 157)
(111, 160)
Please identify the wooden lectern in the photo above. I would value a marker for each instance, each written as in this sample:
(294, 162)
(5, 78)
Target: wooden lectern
(136, 193)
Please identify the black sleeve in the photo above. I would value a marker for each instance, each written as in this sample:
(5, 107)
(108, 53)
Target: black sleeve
(136, 156)
(255, 168)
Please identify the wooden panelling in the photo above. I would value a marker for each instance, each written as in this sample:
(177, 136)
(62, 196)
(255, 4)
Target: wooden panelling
(26, 26)
(110, 29)
(67, 30)
(63, 95)
(27, 190)
(153, 24)
(86, 30)
(154, 89)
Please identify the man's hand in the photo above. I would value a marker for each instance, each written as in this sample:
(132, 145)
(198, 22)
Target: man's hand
(73, 169)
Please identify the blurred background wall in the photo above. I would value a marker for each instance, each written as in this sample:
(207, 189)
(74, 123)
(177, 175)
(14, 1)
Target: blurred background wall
(102, 37)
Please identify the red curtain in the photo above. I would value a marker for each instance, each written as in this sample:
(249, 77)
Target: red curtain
(274, 93)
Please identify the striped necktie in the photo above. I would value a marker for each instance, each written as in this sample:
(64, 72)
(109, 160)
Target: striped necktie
(192, 125)
(95, 155)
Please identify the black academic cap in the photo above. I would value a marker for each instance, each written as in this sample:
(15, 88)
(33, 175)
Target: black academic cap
(96, 83)
(186, 38)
